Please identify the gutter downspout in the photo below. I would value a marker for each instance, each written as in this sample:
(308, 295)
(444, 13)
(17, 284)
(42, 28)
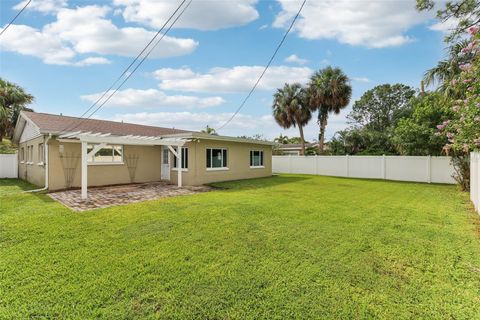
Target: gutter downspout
(45, 156)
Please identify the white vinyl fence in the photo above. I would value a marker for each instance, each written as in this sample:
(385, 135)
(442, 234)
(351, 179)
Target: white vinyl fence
(8, 166)
(475, 180)
(403, 168)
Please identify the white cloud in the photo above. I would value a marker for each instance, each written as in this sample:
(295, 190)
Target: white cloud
(30, 41)
(203, 15)
(235, 79)
(445, 26)
(361, 79)
(242, 124)
(86, 30)
(375, 24)
(295, 59)
(152, 98)
(91, 61)
(44, 6)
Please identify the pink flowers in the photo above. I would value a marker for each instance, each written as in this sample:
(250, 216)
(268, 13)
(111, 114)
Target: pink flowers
(455, 108)
(473, 30)
(466, 67)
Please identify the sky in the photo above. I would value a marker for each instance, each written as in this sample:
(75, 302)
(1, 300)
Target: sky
(67, 53)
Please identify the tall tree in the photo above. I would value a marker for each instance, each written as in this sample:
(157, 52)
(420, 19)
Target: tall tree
(13, 99)
(290, 109)
(329, 91)
(382, 107)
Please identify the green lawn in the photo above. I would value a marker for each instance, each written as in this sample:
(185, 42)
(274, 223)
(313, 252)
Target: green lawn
(284, 247)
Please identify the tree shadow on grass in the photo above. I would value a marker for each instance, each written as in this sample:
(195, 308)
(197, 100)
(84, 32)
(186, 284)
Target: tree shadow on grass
(20, 184)
(257, 183)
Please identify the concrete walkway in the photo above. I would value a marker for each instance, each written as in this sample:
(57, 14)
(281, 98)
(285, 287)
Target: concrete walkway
(103, 197)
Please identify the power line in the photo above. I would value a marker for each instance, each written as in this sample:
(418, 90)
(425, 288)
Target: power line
(15, 18)
(131, 64)
(266, 67)
(140, 63)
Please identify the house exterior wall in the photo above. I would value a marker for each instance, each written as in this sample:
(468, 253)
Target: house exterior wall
(31, 170)
(147, 170)
(238, 162)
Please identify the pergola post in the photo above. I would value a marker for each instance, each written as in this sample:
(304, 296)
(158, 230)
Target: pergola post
(179, 165)
(84, 170)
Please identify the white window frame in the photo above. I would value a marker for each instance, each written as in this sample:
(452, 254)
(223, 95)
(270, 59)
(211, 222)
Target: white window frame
(41, 154)
(174, 162)
(29, 154)
(91, 161)
(222, 168)
(262, 159)
(22, 155)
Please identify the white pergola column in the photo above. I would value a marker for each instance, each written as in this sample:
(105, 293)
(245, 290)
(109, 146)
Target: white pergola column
(179, 165)
(84, 170)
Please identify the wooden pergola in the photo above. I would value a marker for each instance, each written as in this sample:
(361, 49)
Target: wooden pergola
(100, 140)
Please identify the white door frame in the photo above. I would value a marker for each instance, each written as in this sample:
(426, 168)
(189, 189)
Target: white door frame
(165, 169)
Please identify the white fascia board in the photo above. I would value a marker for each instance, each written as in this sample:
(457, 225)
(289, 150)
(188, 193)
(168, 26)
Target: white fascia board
(206, 136)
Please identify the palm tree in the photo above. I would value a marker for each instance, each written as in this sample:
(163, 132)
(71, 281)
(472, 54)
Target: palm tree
(329, 91)
(209, 130)
(13, 99)
(281, 139)
(446, 70)
(290, 109)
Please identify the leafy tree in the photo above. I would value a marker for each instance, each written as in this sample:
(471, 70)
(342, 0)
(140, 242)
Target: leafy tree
(290, 109)
(13, 99)
(467, 12)
(382, 107)
(209, 130)
(416, 135)
(329, 91)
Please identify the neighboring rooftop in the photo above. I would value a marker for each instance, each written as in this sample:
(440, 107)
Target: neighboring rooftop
(51, 123)
(296, 145)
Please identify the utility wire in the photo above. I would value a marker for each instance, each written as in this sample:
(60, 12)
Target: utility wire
(131, 64)
(141, 61)
(15, 18)
(266, 67)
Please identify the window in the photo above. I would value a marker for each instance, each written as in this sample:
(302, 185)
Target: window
(217, 159)
(29, 154)
(22, 154)
(256, 158)
(184, 158)
(41, 154)
(107, 154)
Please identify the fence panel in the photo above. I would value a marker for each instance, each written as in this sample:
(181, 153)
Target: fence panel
(475, 180)
(403, 168)
(8, 166)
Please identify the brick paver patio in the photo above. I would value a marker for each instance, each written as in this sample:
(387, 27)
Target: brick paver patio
(102, 197)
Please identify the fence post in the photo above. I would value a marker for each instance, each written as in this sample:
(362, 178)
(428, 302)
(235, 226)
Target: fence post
(16, 165)
(347, 165)
(429, 169)
(315, 163)
(289, 163)
(384, 167)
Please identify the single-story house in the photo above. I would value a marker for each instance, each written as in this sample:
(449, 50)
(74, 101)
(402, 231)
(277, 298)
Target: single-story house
(60, 152)
(294, 148)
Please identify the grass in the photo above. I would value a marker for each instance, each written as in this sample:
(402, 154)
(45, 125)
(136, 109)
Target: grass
(283, 247)
(6, 146)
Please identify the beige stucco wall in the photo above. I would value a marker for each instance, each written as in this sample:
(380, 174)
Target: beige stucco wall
(33, 171)
(238, 162)
(147, 170)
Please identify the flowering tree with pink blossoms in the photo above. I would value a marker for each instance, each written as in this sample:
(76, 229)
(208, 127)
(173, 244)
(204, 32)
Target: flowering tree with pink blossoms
(463, 130)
